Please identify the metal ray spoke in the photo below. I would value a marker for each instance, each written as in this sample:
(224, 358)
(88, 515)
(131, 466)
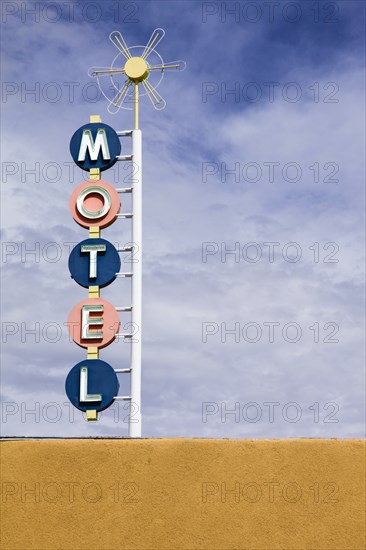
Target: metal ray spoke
(172, 65)
(104, 71)
(158, 102)
(119, 98)
(117, 39)
(154, 40)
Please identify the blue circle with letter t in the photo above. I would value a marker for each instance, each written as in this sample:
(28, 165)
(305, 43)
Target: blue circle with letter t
(94, 262)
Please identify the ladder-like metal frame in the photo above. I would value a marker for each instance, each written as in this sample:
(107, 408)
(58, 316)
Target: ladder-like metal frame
(136, 279)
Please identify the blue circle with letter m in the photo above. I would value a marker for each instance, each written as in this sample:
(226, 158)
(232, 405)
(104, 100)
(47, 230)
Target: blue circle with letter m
(95, 145)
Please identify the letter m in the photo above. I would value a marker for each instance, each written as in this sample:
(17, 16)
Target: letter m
(88, 144)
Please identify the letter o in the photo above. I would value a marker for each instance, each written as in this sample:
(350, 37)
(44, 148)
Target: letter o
(257, 408)
(293, 497)
(56, 496)
(257, 336)
(297, 407)
(258, 492)
(258, 90)
(96, 489)
(257, 15)
(46, 416)
(95, 203)
(93, 214)
(298, 12)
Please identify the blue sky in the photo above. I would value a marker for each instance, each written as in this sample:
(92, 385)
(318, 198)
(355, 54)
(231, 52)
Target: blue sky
(275, 97)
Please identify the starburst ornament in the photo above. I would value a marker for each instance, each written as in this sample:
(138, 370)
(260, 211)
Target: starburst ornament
(137, 65)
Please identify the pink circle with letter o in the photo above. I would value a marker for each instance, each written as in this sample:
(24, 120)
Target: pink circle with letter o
(95, 203)
(93, 323)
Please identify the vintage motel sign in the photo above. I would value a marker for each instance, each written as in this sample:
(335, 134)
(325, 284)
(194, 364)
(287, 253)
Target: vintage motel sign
(93, 323)
(94, 205)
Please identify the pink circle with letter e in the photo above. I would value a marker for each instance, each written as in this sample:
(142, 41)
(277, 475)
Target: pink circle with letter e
(93, 323)
(95, 203)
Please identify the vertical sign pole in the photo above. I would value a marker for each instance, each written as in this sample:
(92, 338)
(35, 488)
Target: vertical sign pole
(135, 410)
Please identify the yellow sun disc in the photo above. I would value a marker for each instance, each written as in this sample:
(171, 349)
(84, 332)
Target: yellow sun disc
(136, 69)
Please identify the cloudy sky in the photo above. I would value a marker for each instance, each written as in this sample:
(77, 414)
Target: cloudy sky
(253, 198)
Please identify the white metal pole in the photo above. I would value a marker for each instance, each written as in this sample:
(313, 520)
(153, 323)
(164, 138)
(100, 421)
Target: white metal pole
(135, 412)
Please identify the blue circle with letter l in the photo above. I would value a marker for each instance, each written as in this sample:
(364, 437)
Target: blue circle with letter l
(94, 262)
(95, 145)
(92, 385)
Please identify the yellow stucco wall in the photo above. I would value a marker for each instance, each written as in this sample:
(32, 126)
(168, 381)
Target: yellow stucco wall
(174, 494)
